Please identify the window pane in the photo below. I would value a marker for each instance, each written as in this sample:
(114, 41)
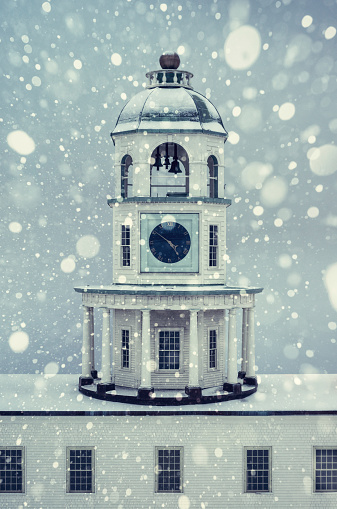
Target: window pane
(125, 348)
(80, 473)
(125, 245)
(213, 245)
(257, 470)
(212, 348)
(169, 471)
(169, 349)
(11, 470)
(326, 469)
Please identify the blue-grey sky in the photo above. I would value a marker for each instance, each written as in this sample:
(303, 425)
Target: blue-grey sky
(67, 69)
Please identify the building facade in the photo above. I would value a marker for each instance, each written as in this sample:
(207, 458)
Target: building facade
(169, 415)
(170, 322)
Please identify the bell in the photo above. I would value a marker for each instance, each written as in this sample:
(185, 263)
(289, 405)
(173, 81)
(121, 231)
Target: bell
(175, 168)
(158, 163)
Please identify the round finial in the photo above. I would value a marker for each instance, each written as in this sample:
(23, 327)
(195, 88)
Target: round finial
(169, 60)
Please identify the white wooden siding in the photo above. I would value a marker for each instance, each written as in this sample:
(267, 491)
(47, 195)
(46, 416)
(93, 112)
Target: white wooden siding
(213, 469)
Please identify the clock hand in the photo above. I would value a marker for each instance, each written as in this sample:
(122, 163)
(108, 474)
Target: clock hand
(170, 243)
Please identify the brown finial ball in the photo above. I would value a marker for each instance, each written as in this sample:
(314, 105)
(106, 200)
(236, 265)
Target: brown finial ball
(169, 60)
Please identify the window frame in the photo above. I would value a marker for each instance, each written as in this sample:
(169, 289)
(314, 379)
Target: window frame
(125, 228)
(68, 471)
(216, 367)
(213, 176)
(262, 448)
(157, 472)
(23, 468)
(322, 448)
(215, 246)
(181, 349)
(127, 329)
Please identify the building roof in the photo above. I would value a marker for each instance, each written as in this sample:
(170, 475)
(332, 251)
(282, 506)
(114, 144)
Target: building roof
(169, 109)
(276, 394)
(168, 289)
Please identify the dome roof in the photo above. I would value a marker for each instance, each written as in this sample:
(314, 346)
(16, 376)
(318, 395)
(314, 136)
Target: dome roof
(169, 104)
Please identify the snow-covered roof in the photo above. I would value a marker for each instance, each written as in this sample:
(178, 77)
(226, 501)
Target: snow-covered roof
(173, 109)
(276, 393)
(168, 289)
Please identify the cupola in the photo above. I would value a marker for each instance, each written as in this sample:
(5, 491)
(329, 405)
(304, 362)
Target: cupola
(169, 140)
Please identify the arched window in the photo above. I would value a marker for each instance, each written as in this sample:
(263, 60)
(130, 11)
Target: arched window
(126, 177)
(212, 164)
(169, 171)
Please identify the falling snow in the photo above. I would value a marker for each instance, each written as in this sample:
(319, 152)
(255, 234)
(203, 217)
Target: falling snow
(68, 70)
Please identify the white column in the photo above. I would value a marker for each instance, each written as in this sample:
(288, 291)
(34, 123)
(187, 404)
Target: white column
(146, 350)
(92, 338)
(225, 343)
(244, 340)
(193, 379)
(86, 363)
(106, 348)
(250, 343)
(113, 343)
(232, 374)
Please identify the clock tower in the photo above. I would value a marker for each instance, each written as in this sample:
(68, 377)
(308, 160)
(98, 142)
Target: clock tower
(173, 331)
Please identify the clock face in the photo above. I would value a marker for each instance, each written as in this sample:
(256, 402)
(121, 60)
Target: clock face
(169, 242)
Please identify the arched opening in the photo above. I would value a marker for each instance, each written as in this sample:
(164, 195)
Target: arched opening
(126, 177)
(169, 171)
(212, 184)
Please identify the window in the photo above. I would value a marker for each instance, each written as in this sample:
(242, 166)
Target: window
(80, 470)
(212, 164)
(213, 352)
(325, 467)
(125, 348)
(213, 245)
(169, 470)
(126, 177)
(169, 349)
(125, 244)
(11, 470)
(258, 469)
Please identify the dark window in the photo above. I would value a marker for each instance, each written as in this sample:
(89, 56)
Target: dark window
(125, 348)
(213, 177)
(258, 471)
(212, 348)
(11, 470)
(126, 177)
(326, 469)
(169, 470)
(126, 242)
(169, 349)
(213, 245)
(80, 470)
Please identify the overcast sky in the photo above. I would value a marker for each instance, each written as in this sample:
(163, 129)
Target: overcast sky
(68, 68)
